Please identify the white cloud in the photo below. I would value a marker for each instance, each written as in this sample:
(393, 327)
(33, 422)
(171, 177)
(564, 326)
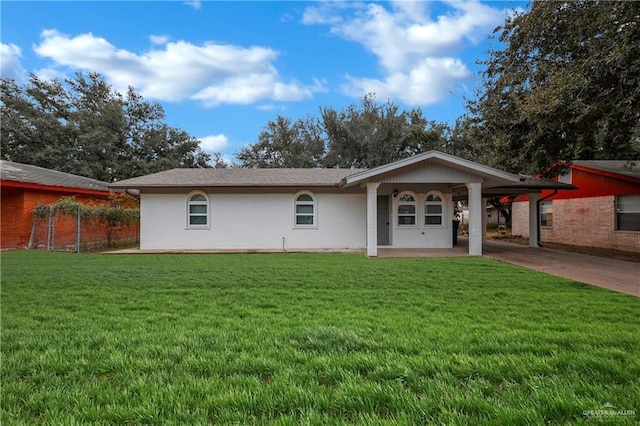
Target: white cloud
(50, 74)
(251, 88)
(426, 83)
(196, 4)
(416, 51)
(159, 39)
(10, 66)
(214, 143)
(327, 12)
(211, 73)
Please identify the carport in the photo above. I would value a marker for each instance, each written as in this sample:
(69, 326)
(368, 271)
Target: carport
(404, 196)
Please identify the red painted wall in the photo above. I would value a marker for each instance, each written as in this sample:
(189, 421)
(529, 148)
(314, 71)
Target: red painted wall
(597, 184)
(593, 183)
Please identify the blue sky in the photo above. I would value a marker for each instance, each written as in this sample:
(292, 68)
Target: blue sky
(222, 70)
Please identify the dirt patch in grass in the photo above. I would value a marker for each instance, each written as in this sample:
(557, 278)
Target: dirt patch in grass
(609, 253)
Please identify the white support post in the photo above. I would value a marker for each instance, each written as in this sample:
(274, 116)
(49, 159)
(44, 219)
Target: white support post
(534, 217)
(475, 218)
(372, 219)
(484, 219)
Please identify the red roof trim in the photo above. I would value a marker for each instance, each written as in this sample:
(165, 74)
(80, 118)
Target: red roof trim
(28, 185)
(605, 173)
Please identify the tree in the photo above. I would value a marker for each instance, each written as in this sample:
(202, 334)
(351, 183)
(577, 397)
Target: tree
(565, 86)
(365, 135)
(33, 122)
(285, 144)
(370, 135)
(82, 126)
(219, 162)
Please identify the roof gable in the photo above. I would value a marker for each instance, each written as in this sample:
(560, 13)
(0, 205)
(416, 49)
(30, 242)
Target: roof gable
(439, 166)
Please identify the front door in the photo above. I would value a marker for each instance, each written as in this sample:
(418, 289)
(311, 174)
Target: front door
(383, 220)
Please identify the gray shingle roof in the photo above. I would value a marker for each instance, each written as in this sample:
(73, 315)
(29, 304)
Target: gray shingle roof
(621, 167)
(26, 173)
(530, 182)
(238, 177)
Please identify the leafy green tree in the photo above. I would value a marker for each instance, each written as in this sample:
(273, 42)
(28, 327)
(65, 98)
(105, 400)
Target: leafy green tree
(370, 135)
(566, 85)
(33, 121)
(82, 126)
(283, 143)
(365, 135)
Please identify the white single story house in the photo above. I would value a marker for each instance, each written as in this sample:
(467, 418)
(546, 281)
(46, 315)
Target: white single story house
(404, 204)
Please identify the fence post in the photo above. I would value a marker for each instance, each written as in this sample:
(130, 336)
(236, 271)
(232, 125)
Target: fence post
(50, 229)
(33, 230)
(78, 232)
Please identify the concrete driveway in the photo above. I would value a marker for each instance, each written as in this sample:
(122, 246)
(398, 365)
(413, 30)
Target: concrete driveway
(613, 274)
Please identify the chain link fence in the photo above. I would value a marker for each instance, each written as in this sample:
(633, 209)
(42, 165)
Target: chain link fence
(70, 226)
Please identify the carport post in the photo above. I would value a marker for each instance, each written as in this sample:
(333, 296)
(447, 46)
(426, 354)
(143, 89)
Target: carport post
(372, 218)
(476, 210)
(534, 217)
(484, 219)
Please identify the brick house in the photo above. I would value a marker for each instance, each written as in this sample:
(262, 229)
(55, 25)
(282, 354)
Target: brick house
(603, 212)
(23, 187)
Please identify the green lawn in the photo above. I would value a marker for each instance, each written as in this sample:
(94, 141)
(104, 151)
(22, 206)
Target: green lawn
(311, 339)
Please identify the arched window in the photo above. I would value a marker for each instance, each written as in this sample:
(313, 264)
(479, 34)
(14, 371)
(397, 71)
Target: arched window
(406, 209)
(433, 210)
(198, 210)
(305, 210)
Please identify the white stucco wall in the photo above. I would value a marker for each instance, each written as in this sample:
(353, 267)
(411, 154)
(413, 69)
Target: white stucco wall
(420, 235)
(252, 221)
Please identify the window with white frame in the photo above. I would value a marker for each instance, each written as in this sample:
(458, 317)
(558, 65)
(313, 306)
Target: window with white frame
(433, 210)
(546, 214)
(305, 210)
(198, 210)
(628, 212)
(406, 209)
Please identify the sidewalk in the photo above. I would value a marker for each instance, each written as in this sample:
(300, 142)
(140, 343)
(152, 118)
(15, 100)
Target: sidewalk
(612, 274)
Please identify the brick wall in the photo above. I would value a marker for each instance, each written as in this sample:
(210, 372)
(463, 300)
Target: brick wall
(17, 219)
(11, 224)
(580, 221)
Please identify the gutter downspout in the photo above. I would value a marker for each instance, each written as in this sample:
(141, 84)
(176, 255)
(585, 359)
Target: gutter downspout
(555, 191)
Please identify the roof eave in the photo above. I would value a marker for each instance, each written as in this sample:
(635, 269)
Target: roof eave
(224, 185)
(56, 188)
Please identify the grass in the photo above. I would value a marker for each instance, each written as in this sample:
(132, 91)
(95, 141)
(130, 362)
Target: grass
(309, 339)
